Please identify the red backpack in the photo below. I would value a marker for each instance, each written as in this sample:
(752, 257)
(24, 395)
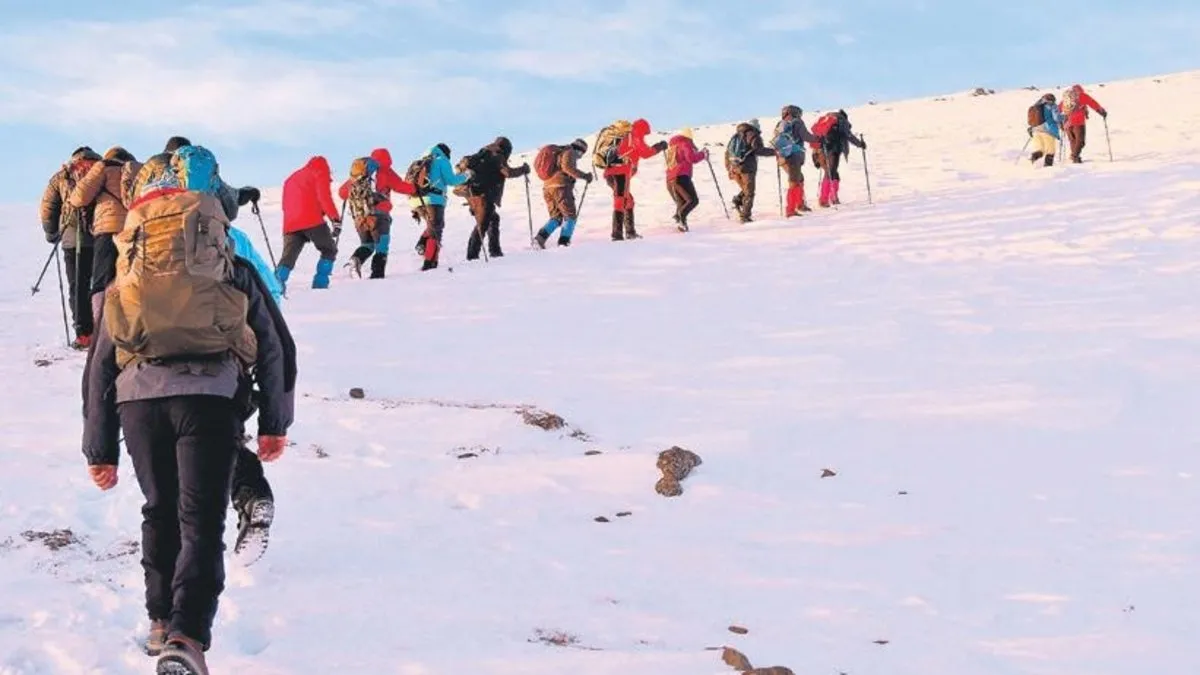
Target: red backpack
(823, 125)
(546, 162)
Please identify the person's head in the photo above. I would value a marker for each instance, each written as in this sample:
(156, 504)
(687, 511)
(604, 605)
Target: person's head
(753, 122)
(1049, 98)
(445, 149)
(1078, 89)
(791, 112)
(688, 133)
(503, 145)
(641, 127)
(579, 145)
(175, 142)
(118, 154)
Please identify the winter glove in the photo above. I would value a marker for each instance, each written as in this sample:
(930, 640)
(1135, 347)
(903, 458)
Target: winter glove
(270, 448)
(337, 229)
(660, 146)
(53, 237)
(862, 144)
(525, 167)
(428, 190)
(104, 475)
(247, 195)
(1104, 114)
(1029, 130)
(588, 177)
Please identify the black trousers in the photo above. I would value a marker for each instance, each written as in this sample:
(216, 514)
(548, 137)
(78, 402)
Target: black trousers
(79, 276)
(487, 224)
(683, 191)
(319, 236)
(183, 450)
(104, 262)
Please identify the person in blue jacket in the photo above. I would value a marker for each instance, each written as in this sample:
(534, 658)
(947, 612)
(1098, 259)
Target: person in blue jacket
(1047, 134)
(243, 248)
(437, 175)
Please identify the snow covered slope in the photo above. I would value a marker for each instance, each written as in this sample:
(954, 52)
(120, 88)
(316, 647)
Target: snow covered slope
(997, 364)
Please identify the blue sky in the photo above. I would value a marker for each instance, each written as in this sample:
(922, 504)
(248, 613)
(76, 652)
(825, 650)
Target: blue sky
(268, 83)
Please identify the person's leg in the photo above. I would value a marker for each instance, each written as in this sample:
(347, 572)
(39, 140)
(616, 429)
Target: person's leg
(72, 280)
(206, 432)
(617, 184)
(493, 229)
(82, 297)
(550, 198)
(475, 241)
(690, 199)
(835, 179)
(568, 212)
(322, 238)
(293, 245)
(383, 244)
(435, 217)
(748, 191)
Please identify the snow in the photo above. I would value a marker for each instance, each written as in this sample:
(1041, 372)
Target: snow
(998, 363)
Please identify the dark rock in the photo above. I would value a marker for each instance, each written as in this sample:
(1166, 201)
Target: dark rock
(738, 629)
(54, 540)
(592, 453)
(773, 670)
(827, 473)
(541, 419)
(882, 642)
(467, 455)
(902, 492)
(735, 659)
(357, 393)
(675, 464)
(624, 514)
(601, 519)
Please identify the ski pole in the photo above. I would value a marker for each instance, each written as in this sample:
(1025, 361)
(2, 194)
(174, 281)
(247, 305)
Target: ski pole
(866, 170)
(529, 209)
(62, 295)
(720, 196)
(779, 187)
(261, 224)
(53, 254)
(1107, 139)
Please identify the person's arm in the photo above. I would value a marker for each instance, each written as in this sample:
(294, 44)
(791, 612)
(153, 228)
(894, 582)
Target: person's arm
(51, 209)
(804, 135)
(387, 179)
(344, 191)
(569, 164)
(1090, 102)
(88, 187)
(271, 367)
(325, 196)
(446, 173)
(101, 425)
(757, 147)
(514, 171)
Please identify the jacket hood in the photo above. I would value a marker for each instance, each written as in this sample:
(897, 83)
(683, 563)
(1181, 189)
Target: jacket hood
(382, 157)
(319, 165)
(1078, 89)
(437, 153)
(641, 127)
(503, 145)
(679, 139)
(119, 154)
(175, 142)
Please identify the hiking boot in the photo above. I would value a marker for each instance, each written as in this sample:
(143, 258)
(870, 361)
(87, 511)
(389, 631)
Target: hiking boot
(379, 266)
(255, 515)
(497, 253)
(354, 267)
(429, 265)
(630, 230)
(541, 238)
(156, 639)
(82, 342)
(617, 220)
(182, 656)
(564, 241)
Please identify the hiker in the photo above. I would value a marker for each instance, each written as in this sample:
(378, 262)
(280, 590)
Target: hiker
(558, 167)
(99, 189)
(836, 136)
(367, 193)
(619, 149)
(790, 136)
(70, 228)
(741, 161)
(1074, 109)
(432, 174)
(175, 383)
(1044, 121)
(682, 155)
(135, 177)
(485, 191)
(307, 202)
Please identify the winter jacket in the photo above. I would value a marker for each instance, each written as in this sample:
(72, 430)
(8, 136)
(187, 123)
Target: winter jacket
(749, 164)
(105, 386)
(307, 197)
(387, 181)
(441, 178)
(102, 186)
(567, 171)
(1053, 119)
(490, 175)
(790, 137)
(136, 178)
(244, 249)
(839, 138)
(682, 155)
(632, 149)
(1079, 115)
(57, 214)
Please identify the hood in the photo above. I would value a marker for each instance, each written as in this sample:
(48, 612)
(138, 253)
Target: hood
(679, 139)
(1078, 89)
(119, 154)
(175, 142)
(437, 153)
(744, 127)
(318, 165)
(640, 128)
(503, 145)
(382, 157)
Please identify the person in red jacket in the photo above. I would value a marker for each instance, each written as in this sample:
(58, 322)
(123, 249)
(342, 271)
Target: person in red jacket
(307, 202)
(375, 235)
(682, 155)
(1074, 108)
(631, 150)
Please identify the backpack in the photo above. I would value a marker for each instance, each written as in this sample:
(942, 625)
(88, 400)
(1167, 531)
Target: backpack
(418, 172)
(362, 197)
(784, 143)
(608, 141)
(736, 150)
(1070, 101)
(824, 125)
(169, 299)
(1037, 114)
(546, 161)
(671, 156)
(196, 169)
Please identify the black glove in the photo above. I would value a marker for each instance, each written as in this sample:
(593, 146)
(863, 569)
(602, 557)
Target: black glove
(862, 144)
(1104, 114)
(660, 146)
(525, 167)
(53, 237)
(337, 229)
(415, 216)
(428, 190)
(247, 195)
(588, 177)
(1029, 130)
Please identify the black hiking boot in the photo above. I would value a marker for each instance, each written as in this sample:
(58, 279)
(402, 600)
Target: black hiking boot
(429, 265)
(541, 238)
(379, 266)
(564, 241)
(255, 515)
(182, 656)
(630, 230)
(1035, 157)
(1049, 160)
(354, 267)
(618, 219)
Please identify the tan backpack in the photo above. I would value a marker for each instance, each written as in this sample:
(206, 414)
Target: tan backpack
(170, 299)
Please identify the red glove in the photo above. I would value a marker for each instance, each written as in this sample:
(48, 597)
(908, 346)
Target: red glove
(104, 476)
(270, 448)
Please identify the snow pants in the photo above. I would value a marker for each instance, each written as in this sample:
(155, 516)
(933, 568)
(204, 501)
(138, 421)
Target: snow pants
(183, 450)
(1077, 137)
(683, 191)
(434, 216)
(743, 201)
(375, 241)
(79, 276)
(487, 224)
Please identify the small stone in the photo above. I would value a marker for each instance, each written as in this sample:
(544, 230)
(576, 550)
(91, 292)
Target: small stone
(735, 659)
(357, 393)
(592, 453)
(601, 519)
(668, 487)
(882, 642)
(738, 629)
(467, 455)
(902, 492)
(624, 514)
(827, 473)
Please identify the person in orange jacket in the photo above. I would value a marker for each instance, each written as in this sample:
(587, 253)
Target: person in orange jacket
(307, 202)
(631, 150)
(375, 235)
(1074, 108)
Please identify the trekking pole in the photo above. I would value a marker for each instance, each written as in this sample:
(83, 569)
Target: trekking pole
(62, 295)
(1107, 139)
(53, 254)
(866, 170)
(1023, 148)
(261, 224)
(720, 196)
(529, 209)
(779, 187)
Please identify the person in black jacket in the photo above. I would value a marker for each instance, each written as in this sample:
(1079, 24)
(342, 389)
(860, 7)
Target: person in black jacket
(485, 191)
(741, 161)
(834, 145)
(181, 420)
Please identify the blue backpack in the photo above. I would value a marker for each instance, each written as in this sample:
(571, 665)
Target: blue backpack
(736, 150)
(784, 142)
(195, 168)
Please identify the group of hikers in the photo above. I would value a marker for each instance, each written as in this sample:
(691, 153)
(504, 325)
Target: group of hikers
(1048, 119)
(182, 321)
